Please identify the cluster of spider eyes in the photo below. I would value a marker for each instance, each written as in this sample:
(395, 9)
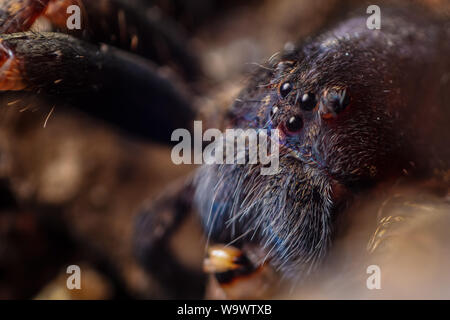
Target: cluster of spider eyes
(307, 102)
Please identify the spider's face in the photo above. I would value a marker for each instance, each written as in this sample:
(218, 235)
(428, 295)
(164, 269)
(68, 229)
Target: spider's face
(334, 138)
(332, 121)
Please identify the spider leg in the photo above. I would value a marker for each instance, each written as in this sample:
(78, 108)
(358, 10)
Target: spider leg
(94, 79)
(142, 28)
(19, 15)
(154, 228)
(132, 25)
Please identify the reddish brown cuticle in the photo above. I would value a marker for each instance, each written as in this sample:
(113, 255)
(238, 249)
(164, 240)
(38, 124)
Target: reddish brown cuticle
(10, 75)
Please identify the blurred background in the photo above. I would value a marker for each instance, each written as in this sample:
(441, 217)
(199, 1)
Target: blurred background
(71, 186)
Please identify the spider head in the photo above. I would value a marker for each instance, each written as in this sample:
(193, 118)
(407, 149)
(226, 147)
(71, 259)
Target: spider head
(337, 138)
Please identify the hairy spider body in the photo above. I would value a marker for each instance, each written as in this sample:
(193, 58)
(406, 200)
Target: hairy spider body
(349, 119)
(357, 110)
(132, 25)
(98, 74)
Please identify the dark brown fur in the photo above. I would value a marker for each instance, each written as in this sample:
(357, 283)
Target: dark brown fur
(396, 81)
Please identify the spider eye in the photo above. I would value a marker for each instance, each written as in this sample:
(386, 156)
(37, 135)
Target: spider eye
(294, 125)
(308, 101)
(342, 102)
(285, 89)
(334, 103)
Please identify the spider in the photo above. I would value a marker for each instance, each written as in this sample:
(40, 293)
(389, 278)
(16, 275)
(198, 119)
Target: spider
(353, 126)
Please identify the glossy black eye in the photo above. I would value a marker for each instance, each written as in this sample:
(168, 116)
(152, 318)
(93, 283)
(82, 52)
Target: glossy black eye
(341, 102)
(294, 125)
(334, 103)
(308, 101)
(285, 89)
